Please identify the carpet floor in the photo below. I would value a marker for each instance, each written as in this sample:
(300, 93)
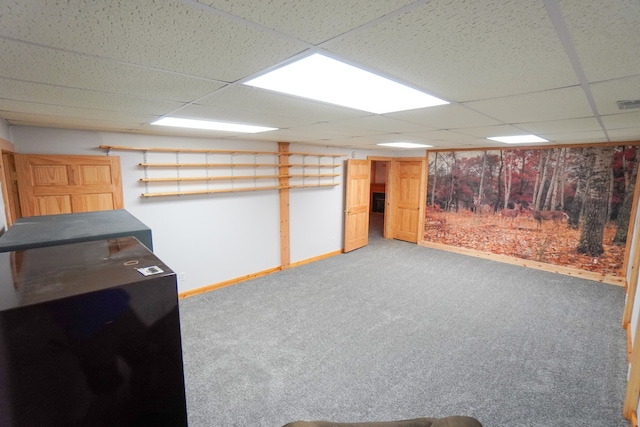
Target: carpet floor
(394, 331)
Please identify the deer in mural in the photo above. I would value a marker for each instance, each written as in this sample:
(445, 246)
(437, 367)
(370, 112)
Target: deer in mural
(480, 208)
(555, 216)
(511, 213)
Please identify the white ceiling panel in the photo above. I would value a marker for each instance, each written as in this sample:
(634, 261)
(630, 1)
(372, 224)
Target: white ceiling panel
(164, 34)
(441, 135)
(201, 133)
(238, 115)
(619, 135)
(466, 49)
(14, 90)
(606, 94)
(451, 116)
(379, 123)
(261, 101)
(631, 119)
(72, 112)
(568, 103)
(313, 22)
(30, 119)
(605, 36)
(339, 129)
(587, 136)
(561, 126)
(40, 65)
(442, 138)
(508, 66)
(487, 131)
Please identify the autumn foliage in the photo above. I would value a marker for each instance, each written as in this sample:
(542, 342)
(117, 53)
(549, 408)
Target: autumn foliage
(564, 206)
(522, 237)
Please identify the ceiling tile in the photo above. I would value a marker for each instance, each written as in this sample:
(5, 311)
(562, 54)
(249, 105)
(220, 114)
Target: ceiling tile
(313, 22)
(245, 98)
(607, 94)
(380, 123)
(21, 119)
(466, 50)
(36, 64)
(587, 136)
(605, 35)
(441, 135)
(201, 133)
(452, 116)
(339, 129)
(630, 119)
(567, 103)
(164, 34)
(621, 135)
(237, 115)
(561, 126)
(8, 106)
(487, 131)
(15, 90)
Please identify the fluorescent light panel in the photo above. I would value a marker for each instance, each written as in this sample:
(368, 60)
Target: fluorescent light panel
(517, 139)
(209, 125)
(404, 145)
(325, 79)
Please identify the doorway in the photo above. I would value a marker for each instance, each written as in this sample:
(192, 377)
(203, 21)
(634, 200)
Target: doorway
(401, 182)
(378, 196)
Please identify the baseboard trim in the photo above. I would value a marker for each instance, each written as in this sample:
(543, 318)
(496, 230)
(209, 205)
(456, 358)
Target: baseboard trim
(314, 259)
(241, 279)
(583, 274)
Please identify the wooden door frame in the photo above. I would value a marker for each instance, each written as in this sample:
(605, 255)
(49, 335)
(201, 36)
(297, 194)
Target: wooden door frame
(11, 206)
(388, 214)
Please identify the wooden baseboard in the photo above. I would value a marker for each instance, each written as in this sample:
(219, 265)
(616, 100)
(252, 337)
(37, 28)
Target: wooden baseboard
(583, 274)
(226, 283)
(314, 259)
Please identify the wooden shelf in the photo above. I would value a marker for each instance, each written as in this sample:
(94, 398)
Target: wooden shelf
(194, 150)
(313, 165)
(232, 177)
(208, 165)
(232, 190)
(282, 166)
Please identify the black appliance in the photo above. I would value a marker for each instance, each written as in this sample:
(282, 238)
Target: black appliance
(90, 336)
(62, 229)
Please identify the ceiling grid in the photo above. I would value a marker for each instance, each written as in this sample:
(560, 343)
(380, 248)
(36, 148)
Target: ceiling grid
(553, 68)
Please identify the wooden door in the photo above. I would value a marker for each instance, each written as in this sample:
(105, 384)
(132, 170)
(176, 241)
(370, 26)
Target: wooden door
(356, 227)
(408, 181)
(52, 184)
(10, 188)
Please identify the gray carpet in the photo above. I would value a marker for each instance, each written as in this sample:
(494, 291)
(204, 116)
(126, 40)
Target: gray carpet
(394, 331)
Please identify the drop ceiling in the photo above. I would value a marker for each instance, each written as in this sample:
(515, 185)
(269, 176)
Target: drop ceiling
(554, 68)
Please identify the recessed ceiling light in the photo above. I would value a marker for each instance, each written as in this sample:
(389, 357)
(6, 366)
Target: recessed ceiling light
(517, 139)
(321, 78)
(209, 125)
(404, 145)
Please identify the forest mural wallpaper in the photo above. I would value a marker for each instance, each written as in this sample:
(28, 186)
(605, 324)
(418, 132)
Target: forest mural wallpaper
(567, 206)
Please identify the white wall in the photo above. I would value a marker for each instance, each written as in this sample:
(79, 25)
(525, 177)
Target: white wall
(4, 134)
(4, 131)
(213, 238)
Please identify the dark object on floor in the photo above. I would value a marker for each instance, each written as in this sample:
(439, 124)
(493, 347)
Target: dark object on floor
(454, 421)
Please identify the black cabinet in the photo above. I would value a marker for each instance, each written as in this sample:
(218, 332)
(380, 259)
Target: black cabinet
(90, 336)
(51, 230)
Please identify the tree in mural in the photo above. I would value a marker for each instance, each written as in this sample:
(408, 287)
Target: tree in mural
(596, 201)
(593, 187)
(582, 172)
(629, 165)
